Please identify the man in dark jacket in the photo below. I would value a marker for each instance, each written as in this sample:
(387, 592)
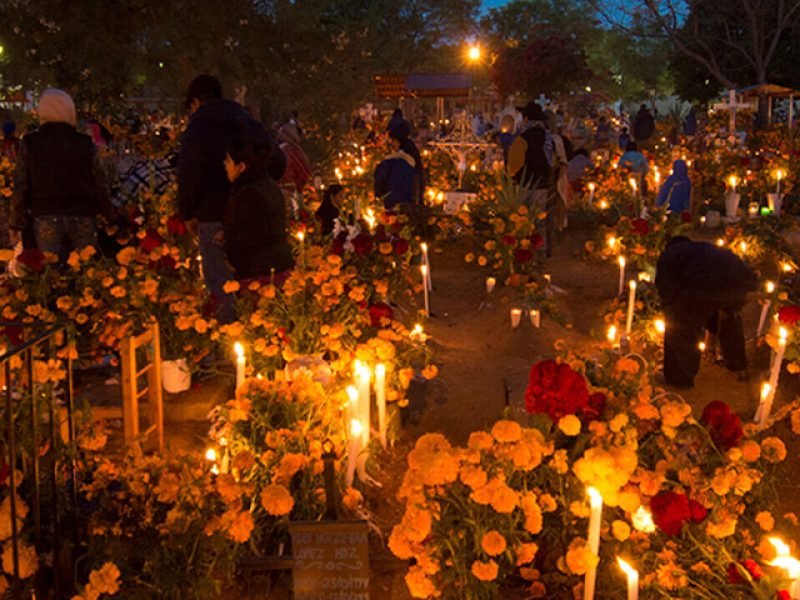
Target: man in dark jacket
(644, 125)
(59, 186)
(402, 131)
(396, 177)
(701, 286)
(203, 186)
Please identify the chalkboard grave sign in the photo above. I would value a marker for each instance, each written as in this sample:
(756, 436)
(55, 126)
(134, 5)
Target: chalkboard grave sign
(330, 560)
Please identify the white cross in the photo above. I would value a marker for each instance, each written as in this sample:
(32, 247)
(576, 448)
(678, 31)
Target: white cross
(544, 101)
(731, 105)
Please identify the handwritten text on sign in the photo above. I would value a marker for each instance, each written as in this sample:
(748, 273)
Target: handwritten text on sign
(331, 560)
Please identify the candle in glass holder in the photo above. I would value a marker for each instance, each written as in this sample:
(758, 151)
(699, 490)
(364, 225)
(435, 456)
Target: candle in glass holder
(490, 283)
(516, 315)
(536, 318)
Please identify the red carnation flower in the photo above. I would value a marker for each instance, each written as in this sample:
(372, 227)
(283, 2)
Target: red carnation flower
(783, 595)
(33, 258)
(751, 566)
(724, 427)
(378, 312)
(556, 390)
(176, 225)
(151, 241)
(789, 315)
(522, 256)
(362, 244)
(671, 510)
(400, 245)
(509, 240)
(640, 226)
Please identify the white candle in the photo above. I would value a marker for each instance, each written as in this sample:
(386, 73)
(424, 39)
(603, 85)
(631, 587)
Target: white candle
(631, 306)
(356, 435)
(762, 320)
(595, 519)
(363, 377)
(611, 335)
(633, 579)
(778, 360)
(427, 263)
(301, 237)
(352, 406)
(424, 270)
(634, 186)
(779, 176)
(784, 560)
(536, 318)
(621, 261)
(490, 283)
(765, 404)
(733, 181)
(380, 400)
(240, 365)
(516, 315)
(591, 187)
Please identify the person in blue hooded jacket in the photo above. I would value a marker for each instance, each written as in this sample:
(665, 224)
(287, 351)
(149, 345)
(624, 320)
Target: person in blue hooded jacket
(676, 192)
(396, 177)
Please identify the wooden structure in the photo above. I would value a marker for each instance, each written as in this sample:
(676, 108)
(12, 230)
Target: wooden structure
(770, 92)
(133, 392)
(438, 86)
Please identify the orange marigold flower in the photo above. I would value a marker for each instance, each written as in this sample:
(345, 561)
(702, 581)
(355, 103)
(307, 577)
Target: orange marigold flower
(419, 584)
(485, 571)
(526, 553)
(433, 458)
(277, 500)
(493, 543)
(507, 431)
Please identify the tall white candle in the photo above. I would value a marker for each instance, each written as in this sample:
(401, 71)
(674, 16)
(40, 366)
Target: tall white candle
(240, 365)
(380, 400)
(777, 361)
(765, 404)
(611, 335)
(631, 306)
(621, 261)
(595, 519)
(352, 406)
(591, 187)
(633, 579)
(427, 263)
(787, 562)
(356, 435)
(762, 320)
(424, 270)
(363, 377)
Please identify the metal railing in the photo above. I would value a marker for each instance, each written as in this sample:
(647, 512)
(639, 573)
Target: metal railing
(17, 367)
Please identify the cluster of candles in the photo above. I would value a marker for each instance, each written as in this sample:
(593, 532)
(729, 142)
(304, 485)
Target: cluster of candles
(359, 409)
(534, 314)
(642, 520)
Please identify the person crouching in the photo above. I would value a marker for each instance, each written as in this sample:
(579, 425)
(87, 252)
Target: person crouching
(254, 223)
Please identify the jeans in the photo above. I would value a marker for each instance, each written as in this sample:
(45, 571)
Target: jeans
(216, 270)
(61, 234)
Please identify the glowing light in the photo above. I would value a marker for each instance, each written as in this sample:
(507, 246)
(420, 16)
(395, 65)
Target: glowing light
(626, 568)
(611, 335)
(474, 53)
(701, 346)
(621, 261)
(660, 325)
(211, 455)
(612, 242)
(352, 394)
(783, 334)
(733, 181)
(603, 205)
(300, 236)
(770, 287)
(642, 520)
(238, 350)
(356, 428)
(743, 246)
(766, 389)
(720, 242)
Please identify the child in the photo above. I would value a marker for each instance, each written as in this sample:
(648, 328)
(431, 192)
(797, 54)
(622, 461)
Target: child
(328, 210)
(254, 224)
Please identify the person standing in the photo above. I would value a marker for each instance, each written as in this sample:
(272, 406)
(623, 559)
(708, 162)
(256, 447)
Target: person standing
(644, 125)
(298, 167)
(203, 186)
(676, 192)
(395, 178)
(59, 185)
(701, 286)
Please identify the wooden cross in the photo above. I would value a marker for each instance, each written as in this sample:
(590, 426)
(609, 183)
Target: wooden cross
(731, 105)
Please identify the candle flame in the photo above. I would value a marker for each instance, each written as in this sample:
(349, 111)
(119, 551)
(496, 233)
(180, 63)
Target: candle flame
(595, 499)
(352, 394)
(643, 520)
(356, 428)
(238, 349)
(660, 325)
(743, 246)
(783, 334)
(632, 181)
(591, 186)
(300, 236)
(603, 205)
(424, 247)
(621, 261)
(424, 269)
(766, 388)
(612, 242)
(632, 285)
(786, 267)
(720, 242)
(626, 567)
(733, 181)
(380, 370)
(611, 336)
(701, 346)
(211, 455)
(781, 548)
(770, 287)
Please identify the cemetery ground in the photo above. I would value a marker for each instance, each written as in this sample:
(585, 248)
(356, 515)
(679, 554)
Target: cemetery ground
(484, 366)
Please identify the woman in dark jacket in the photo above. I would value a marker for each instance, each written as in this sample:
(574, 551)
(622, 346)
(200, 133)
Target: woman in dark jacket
(255, 215)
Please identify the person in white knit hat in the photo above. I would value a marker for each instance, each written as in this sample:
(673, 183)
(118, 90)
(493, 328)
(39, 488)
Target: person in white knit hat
(59, 187)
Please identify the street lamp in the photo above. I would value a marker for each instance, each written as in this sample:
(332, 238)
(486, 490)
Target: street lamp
(474, 53)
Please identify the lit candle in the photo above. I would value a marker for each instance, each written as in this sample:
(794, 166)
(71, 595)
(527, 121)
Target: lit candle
(642, 520)
(380, 400)
(660, 325)
(490, 283)
(732, 182)
(424, 247)
(743, 247)
(779, 176)
(356, 435)
(657, 177)
(352, 395)
(238, 349)
(765, 404)
(611, 335)
(595, 518)
(634, 186)
(301, 237)
(784, 560)
(424, 270)
(603, 205)
(762, 320)
(591, 187)
(363, 377)
(778, 360)
(536, 318)
(612, 242)
(633, 579)
(621, 261)
(516, 315)
(631, 306)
